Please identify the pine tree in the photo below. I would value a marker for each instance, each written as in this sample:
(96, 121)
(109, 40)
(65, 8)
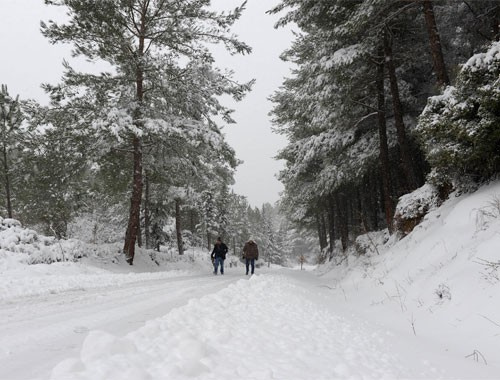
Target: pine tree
(350, 108)
(459, 129)
(55, 168)
(145, 42)
(11, 118)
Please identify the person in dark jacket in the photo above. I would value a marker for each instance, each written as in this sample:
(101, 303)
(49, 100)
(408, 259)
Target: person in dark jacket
(219, 255)
(250, 253)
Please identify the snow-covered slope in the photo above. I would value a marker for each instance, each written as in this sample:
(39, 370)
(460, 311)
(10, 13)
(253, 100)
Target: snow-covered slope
(439, 283)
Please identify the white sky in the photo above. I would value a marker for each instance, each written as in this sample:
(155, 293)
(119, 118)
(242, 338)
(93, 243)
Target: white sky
(28, 60)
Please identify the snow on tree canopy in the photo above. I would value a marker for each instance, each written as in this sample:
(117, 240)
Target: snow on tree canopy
(484, 61)
(459, 129)
(343, 56)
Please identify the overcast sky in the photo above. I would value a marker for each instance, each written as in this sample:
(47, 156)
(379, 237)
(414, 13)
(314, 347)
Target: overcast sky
(27, 60)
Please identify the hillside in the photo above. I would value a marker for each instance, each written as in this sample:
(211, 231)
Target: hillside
(440, 283)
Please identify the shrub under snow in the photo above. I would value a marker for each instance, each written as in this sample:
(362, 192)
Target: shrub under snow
(24, 245)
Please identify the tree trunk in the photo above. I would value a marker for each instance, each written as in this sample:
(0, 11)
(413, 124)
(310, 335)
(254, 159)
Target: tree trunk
(373, 191)
(7, 182)
(385, 170)
(411, 181)
(147, 216)
(350, 210)
(139, 232)
(495, 27)
(178, 226)
(342, 220)
(320, 221)
(136, 199)
(192, 220)
(135, 204)
(363, 225)
(331, 225)
(435, 42)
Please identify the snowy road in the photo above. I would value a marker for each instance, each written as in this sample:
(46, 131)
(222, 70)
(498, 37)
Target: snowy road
(38, 332)
(278, 325)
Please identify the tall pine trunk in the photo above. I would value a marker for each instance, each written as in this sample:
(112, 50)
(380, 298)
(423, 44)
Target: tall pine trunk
(343, 227)
(7, 182)
(360, 210)
(374, 196)
(435, 42)
(320, 221)
(136, 198)
(135, 204)
(178, 226)
(147, 212)
(495, 27)
(385, 169)
(139, 232)
(411, 180)
(331, 225)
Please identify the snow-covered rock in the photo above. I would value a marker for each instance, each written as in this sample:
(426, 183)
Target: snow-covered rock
(413, 207)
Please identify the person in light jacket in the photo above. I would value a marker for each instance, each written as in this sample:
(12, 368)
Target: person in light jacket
(250, 253)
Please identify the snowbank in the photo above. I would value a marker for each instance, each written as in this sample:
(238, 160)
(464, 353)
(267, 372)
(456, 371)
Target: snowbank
(264, 328)
(32, 264)
(41, 279)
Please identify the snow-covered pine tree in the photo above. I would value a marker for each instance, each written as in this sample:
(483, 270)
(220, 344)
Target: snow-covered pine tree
(363, 74)
(237, 222)
(327, 111)
(11, 118)
(55, 169)
(460, 128)
(147, 43)
(181, 165)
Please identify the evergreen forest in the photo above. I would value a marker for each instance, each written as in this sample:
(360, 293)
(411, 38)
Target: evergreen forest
(385, 98)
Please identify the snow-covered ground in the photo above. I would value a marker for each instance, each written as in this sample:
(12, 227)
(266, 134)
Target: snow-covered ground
(38, 332)
(423, 307)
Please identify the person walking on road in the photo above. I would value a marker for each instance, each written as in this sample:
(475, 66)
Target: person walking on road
(219, 255)
(250, 253)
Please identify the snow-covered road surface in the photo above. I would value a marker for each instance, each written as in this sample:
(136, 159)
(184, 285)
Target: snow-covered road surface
(278, 325)
(39, 331)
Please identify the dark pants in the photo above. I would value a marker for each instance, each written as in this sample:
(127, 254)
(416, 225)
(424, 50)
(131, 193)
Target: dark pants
(250, 262)
(219, 260)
